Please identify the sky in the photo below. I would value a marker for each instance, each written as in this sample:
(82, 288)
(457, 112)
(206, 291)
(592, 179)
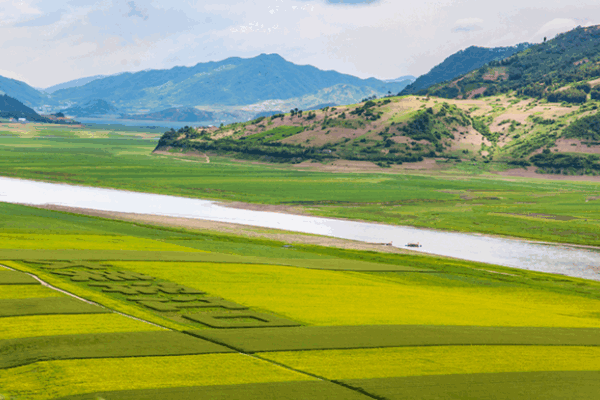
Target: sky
(46, 42)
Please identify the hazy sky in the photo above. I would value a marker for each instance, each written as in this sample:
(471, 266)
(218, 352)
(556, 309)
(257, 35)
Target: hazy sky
(45, 42)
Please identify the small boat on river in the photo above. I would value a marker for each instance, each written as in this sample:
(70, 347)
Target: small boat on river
(414, 244)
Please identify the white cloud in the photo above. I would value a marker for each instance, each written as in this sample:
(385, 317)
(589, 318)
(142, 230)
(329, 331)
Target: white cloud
(13, 75)
(385, 39)
(467, 25)
(557, 25)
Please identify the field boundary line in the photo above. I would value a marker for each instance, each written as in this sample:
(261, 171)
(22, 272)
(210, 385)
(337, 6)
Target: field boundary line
(321, 378)
(46, 284)
(299, 371)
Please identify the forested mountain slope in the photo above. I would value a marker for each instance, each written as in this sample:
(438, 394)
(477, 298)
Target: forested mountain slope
(460, 63)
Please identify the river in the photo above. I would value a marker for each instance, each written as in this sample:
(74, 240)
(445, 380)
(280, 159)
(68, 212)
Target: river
(558, 259)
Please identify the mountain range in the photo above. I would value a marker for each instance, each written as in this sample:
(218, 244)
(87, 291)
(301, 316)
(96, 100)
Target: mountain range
(72, 84)
(222, 86)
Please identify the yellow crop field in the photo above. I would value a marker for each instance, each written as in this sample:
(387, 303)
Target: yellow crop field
(321, 297)
(51, 325)
(439, 360)
(52, 379)
(85, 242)
(26, 291)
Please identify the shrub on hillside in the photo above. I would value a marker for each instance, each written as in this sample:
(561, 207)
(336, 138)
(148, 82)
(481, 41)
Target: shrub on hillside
(570, 95)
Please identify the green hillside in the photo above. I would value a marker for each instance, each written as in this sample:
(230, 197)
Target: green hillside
(548, 70)
(503, 132)
(460, 63)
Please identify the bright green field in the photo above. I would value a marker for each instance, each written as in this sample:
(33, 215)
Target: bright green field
(53, 325)
(349, 298)
(26, 291)
(440, 360)
(455, 200)
(52, 379)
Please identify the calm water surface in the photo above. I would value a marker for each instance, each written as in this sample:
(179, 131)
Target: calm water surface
(508, 252)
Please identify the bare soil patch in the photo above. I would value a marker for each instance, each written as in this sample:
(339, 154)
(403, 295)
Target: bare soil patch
(575, 146)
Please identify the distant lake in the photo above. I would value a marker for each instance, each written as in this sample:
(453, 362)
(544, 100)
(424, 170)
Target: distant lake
(558, 259)
(143, 123)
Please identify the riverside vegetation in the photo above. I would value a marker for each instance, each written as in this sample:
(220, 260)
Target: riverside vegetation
(461, 197)
(456, 326)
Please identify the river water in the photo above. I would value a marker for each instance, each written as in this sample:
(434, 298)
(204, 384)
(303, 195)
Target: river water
(577, 262)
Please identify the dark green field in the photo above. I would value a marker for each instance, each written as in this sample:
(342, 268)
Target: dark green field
(314, 390)
(504, 386)
(18, 352)
(8, 277)
(46, 306)
(356, 337)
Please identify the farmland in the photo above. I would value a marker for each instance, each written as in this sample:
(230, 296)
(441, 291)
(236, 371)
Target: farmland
(186, 314)
(465, 197)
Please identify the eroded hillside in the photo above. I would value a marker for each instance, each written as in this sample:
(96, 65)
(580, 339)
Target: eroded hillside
(507, 131)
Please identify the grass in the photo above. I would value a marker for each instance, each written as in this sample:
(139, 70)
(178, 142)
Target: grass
(56, 325)
(504, 386)
(8, 277)
(318, 297)
(26, 291)
(314, 390)
(46, 306)
(439, 360)
(427, 200)
(353, 337)
(85, 242)
(18, 352)
(54, 379)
